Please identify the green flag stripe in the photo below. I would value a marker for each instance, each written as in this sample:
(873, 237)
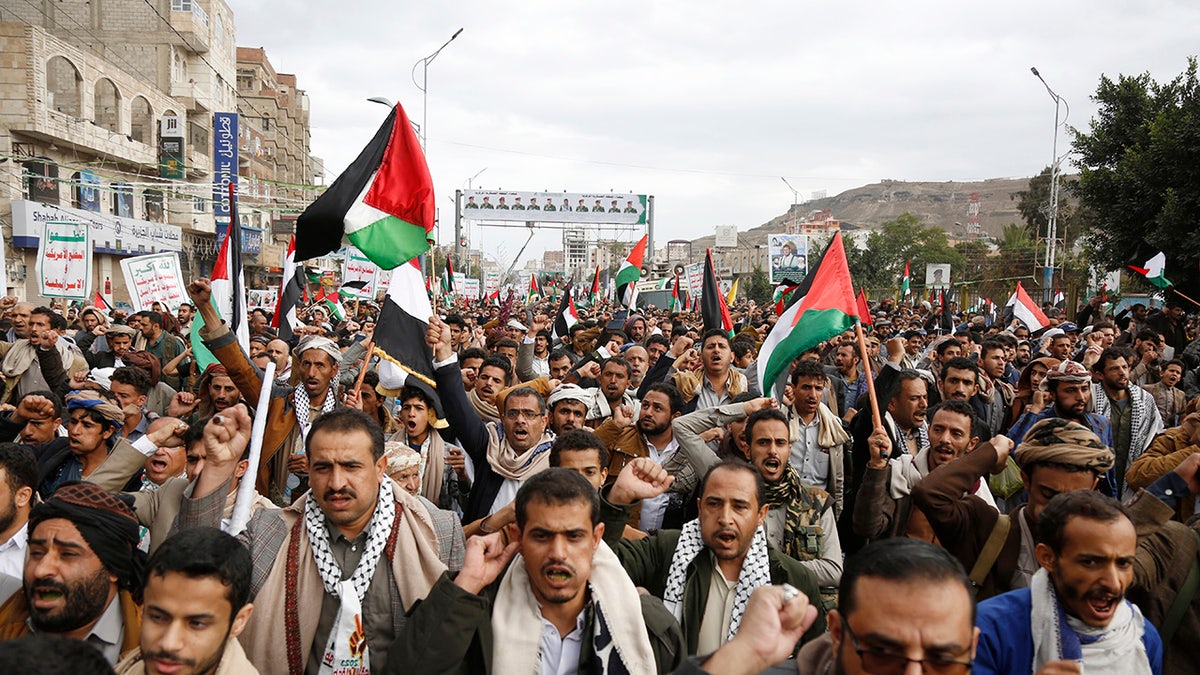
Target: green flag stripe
(813, 327)
(389, 242)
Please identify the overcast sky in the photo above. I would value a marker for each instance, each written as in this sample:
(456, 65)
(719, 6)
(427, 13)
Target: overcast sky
(706, 104)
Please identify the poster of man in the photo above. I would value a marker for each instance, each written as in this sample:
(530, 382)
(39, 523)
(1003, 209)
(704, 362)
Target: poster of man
(789, 257)
(937, 276)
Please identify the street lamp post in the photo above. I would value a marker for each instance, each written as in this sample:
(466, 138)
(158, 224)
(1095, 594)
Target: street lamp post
(424, 85)
(795, 201)
(1055, 172)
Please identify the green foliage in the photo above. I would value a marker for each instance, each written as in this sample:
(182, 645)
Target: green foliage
(880, 263)
(1140, 173)
(1034, 205)
(757, 286)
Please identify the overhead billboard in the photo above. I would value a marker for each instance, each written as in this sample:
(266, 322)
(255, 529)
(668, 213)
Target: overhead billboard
(726, 236)
(554, 207)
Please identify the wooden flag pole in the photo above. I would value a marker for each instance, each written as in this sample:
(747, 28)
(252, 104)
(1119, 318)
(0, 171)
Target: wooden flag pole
(865, 359)
(366, 363)
(1185, 297)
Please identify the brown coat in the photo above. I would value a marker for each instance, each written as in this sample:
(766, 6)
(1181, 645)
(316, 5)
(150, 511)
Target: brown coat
(15, 611)
(1167, 451)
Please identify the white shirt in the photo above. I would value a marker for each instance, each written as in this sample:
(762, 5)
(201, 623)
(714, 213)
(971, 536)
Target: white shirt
(560, 655)
(806, 455)
(12, 553)
(654, 509)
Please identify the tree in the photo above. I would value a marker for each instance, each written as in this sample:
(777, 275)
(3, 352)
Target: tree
(1139, 179)
(1034, 205)
(880, 264)
(758, 286)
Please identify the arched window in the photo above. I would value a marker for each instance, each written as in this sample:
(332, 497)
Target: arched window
(64, 87)
(141, 121)
(107, 105)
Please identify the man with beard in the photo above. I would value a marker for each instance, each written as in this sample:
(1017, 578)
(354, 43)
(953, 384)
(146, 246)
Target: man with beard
(639, 363)
(503, 453)
(846, 360)
(612, 393)
(801, 520)
(18, 482)
(196, 602)
(82, 575)
(1131, 411)
(163, 345)
(705, 572)
(563, 604)
(1069, 388)
(217, 393)
(490, 380)
(1074, 616)
(635, 328)
(884, 506)
(19, 314)
(901, 602)
(1055, 456)
(568, 408)
(533, 355)
(819, 439)
(336, 572)
(652, 437)
(292, 409)
(994, 390)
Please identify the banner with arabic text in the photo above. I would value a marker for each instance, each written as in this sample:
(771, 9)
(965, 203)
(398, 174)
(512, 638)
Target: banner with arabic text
(358, 267)
(64, 265)
(154, 278)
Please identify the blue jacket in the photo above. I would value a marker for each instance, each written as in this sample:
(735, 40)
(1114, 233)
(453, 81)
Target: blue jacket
(1006, 639)
(1097, 423)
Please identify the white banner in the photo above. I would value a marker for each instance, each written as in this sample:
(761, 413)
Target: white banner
(109, 234)
(266, 299)
(695, 279)
(358, 267)
(491, 282)
(467, 287)
(554, 207)
(64, 264)
(154, 278)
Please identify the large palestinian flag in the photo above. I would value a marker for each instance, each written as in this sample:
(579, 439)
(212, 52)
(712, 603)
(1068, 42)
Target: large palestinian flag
(382, 203)
(630, 273)
(404, 357)
(826, 308)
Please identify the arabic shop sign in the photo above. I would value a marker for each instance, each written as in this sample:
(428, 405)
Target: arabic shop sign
(64, 265)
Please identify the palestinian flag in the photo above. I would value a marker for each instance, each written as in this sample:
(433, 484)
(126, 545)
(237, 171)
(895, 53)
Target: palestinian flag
(494, 298)
(630, 273)
(382, 203)
(713, 309)
(336, 311)
(1150, 264)
(352, 290)
(784, 294)
(100, 303)
(905, 281)
(676, 298)
(228, 291)
(1026, 310)
(864, 309)
(826, 308)
(566, 315)
(291, 291)
(404, 358)
(535, 291)
(448, 277)
(595, 296)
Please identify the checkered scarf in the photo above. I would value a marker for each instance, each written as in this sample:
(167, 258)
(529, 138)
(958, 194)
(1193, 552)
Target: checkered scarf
(380, 528)
(755, 572)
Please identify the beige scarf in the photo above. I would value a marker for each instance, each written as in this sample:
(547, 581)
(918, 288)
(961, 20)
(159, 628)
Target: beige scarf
(486, 411)
(433, 459)
(233, 662)
(415, 568)
(689, 383)
(517, 620)
(509, 464)
(830, 432)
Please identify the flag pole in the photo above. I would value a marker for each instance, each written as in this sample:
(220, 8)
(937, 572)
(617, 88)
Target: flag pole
(366, 364)
(866, 364)
(245, 493)
(1185, 297)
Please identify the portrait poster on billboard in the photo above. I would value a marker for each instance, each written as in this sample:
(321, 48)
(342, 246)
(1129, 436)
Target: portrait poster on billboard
(154, 278)
(64, 264)
(937, 276)
(789, 257)
(554, 207)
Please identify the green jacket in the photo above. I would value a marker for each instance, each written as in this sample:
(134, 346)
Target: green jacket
(649, 560)
(450, 631)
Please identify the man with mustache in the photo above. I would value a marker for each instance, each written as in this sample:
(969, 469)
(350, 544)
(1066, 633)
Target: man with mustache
(1130, 410)
(705, 572)
(196, 602)
(18, 483)
(819, 439)
(1074, 616)
(555, 598)
(82, 576)
(336, 572)
(1069, 387)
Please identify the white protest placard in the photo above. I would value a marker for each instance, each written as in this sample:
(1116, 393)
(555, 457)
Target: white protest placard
(266, 299)
(64, 264)
(358, 267)
(695, 279)
(154, 278)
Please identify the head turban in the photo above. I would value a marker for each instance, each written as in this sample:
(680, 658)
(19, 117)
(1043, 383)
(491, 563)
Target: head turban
(1061, 441)
(107, 524)
(323, 343)
(572, 392)
(147, 362)
(121, 329)
(400, 456)
(89, 400)
(1066, 371)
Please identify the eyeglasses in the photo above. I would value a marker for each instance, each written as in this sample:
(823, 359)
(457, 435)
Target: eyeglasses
(883, 662)
(518, 414)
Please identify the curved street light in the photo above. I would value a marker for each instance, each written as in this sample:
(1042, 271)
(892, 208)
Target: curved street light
(1055, 172)
(424, 85)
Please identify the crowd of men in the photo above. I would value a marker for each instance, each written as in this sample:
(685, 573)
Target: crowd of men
(949, 494)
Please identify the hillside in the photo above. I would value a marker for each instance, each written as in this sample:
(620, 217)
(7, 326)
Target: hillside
(941, 204)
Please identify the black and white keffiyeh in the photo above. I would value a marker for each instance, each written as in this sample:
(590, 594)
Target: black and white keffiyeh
(350, 591)
(755, 572)
(303, 404)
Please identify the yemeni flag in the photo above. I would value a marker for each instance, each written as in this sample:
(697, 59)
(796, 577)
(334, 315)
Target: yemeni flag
(595, 295)
(291, 292)
(630, 273)
(826, 308)
(905, 281)
(676, 298)
(713, 309)
(566, 315)
(100, 303)
(535, 291)
(404, 357)
(1059, 298)
(1150, 263)
(1026, 310)
(228, 291)
(382, 203)
(864, 309)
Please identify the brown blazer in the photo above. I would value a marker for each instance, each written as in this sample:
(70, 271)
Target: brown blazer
(1167, 451)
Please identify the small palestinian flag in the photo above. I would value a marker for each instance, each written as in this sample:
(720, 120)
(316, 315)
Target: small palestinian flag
(905, 281)
(100, 303)
(630, 273)
(535, 291)
(336, 312)
(382, 204)
(676, 297)
(1150, 263)
(566, 315)
(352, 290)
(291, 290)
(784, 294)
(864, 309)
(595, 296)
